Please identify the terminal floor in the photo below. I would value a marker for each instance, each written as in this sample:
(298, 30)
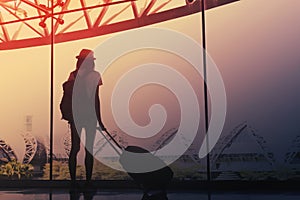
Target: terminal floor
(114, 194)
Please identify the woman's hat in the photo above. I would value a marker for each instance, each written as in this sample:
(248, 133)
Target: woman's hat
(86, 54)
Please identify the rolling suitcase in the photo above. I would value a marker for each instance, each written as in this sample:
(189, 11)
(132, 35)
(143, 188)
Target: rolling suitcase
(153, 182)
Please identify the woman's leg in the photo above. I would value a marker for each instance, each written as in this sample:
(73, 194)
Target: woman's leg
(75, 147)
(89, 144)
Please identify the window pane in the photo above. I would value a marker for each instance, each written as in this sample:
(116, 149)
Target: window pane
(255, 45)
(106, 166)
(25, 110)
(25, 86)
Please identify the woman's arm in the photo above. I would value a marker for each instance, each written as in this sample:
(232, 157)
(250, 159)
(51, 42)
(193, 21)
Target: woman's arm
(98, 112)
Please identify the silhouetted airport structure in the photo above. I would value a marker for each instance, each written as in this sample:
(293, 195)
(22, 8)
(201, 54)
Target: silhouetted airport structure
(6, 153)
(243, 149)
(220, 155)
(292, 157)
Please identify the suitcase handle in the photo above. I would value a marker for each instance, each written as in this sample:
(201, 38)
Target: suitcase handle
(113, 139)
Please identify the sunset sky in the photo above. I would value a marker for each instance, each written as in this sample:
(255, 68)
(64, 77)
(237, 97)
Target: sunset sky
(254, 43)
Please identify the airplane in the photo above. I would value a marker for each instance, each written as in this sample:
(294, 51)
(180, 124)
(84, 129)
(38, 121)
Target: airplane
(30, 23)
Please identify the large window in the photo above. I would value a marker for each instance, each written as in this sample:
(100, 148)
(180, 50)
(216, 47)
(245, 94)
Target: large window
(251, 55)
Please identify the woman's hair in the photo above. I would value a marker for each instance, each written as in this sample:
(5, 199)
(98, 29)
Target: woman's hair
(87, 64)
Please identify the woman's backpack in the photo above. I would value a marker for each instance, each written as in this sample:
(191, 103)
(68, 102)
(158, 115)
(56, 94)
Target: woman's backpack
(66, 101)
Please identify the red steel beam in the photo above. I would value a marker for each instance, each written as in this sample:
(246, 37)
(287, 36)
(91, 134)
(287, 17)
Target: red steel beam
(4, 30)
(86, 14)
(115, 27)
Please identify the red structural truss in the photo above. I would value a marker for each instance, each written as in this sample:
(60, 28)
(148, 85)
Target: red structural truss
(27, 23)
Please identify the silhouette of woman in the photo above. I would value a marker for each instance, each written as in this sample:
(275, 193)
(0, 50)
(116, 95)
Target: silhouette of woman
(86, 101)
